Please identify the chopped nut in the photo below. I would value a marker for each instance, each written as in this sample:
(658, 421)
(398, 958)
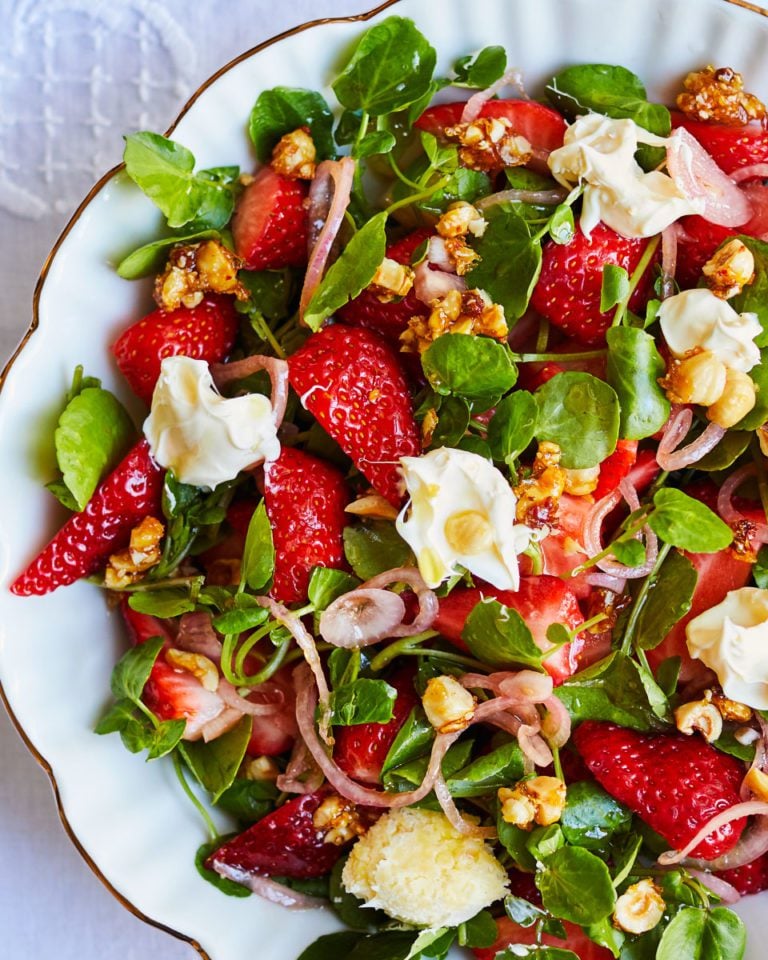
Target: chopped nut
(196, 664)
(732, 709)
(373, 505)
(546, 483)
(197, 268)
(391, 280)
(539, 800)
(746, 735)
(143, 552)
(730, 269)
(490, 144)
(461, 254)
(736, 400)
(718, 95)
(700, 716)
(338, 819)
(639, 908)
(468, 532)
(581, 482)
(460, 219)
(261, 768)
(757, 783)
(428, 426)
(470, 312)
(449, 706)
(699, 378)
(294, 155)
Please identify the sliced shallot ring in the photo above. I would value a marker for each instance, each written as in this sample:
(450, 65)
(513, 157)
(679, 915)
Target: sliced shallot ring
(547, 198)
(533, 746)
(605, 581)
(301, 762)
(669, 238)
(197, 635)
(341, 173)
(725, 506)
(727, 893)
(527, 686)
(224, 373)
(221, 723)
(474, 106)
(752, 808)
(556, 725)
(430, 285)
(267, 888)
(361, 617)
(266, 708)
(453, 814)
(755, 171)
(428, 604)
(671, 458)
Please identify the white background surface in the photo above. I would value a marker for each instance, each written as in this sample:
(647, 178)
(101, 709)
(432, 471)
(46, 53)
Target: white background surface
(74, 76)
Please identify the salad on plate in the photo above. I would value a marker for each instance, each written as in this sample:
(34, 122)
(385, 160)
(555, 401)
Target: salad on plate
(442, 549)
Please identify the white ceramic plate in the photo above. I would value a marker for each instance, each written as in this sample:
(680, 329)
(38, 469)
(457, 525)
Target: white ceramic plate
(129, 818)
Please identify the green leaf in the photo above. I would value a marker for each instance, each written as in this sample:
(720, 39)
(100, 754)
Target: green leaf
(391, 67)
(348, 908)
(409, 775)
(165, 603)
(258, 562)
(481, 70)
(592, 817)
(615, 287)
(463, 184)
(122, 715)
(452, 423)
(624, 858)
(474, 368)
(150, 258)
(374, 143)
(272, 292)
(163, 169)
(133, 669)
(510, 261)
(606, 934)
(431, 942)
(760, 569)
(545, 841)
(667, 601)
(634, 368)
(373, 547)
(575, 885)
(63, 494)
(238, 621)
(561, 224)
(522, 912)
(215, 764)
(363, 701)
(249, 800)
(515, 841)
(699, 935)
(513, 426)
(327, 585)
(226, 886)
(414, 739)
(754, 296)
(480, 932)
(492, 770)
(727, 452)
(164, 738)
(629, 552)
(282, 110)
(499, 636)
(350, 273)
(94, 430)
(580, 413)
(759, 376)
(687, 523)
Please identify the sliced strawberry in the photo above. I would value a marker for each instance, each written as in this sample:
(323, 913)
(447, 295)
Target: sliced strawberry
(351, 381)
(270, 222)
(360, 750)
(731, 147)
(131, 492)
(285, 843)
(697, 242)
(675, 784)
(142, 626)
(616, 467)
(388, 319)
(175, 694)
(205, 332)
(751, 878)
(568, 289)
(511, 933)
(305, 499)
(275, 733)
(540, 601)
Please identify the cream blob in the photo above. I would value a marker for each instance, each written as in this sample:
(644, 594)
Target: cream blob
(203, 437)
(699, 319)
(600, 153)
(732, 639)
(461, 513)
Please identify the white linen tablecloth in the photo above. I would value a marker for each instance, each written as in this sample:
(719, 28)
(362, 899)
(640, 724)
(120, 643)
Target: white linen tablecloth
(74, 76)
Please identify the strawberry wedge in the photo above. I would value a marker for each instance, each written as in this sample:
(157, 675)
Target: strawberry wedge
(270, 222)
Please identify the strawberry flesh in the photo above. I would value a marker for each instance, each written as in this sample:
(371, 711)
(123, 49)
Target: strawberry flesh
(751, 878)
(511, 933)
(270, 222)
(731, 147)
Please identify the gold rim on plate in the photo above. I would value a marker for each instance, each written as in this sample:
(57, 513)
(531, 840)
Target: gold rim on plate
(355, 18)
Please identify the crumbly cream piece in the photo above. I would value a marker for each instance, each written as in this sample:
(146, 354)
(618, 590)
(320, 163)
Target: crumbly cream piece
(731, 638)
(699, 320)
(717, 95)
(461, 512)
(194, 269)
(417, 868)
(469, 311)
(600, 152)
(203, 437)
(294, 155)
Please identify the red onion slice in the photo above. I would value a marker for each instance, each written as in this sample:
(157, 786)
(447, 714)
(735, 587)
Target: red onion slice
(527, 686)
(671, 457)
(430, 285)
(727, 893)
(453, 814)
(300, 764)
(224, 373)
(474, 106)
(220, 724)
(268, 889)
(428, 603)
(725, 506)
(341, 173)
(196, 635)
(556, 726)
(533, 746)
(669, 238)
(752, 808)
(606, 581)
(593, 524)
(264, 708)
(755, 171)
(546, 198)
(362, 617)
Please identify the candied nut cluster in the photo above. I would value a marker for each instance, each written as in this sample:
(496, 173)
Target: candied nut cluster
(470, 311)
(338, 819)
(195, 663)
(546, 484)
(700, 716)
(460, 219)
(449, 706)
(391, 280)
(581, 482)
(639, 908)
(195, 269)
(295, 155)
(700, 377)
(490, 144)
(717, 95)
(462, 256)
(730, 269)
(142, 553)
(372, 505)
(539, 800)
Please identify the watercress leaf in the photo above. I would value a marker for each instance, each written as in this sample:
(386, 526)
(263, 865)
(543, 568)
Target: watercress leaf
(561, 224)
(629, 552)
(687, 523)
(580, 413)
(606, 934)
(414, 739)
(165, 603)
(348, 908)
(479, 932)
(499, 636)
(373, 143)
(695, 934)
(463, 184)
(149, 258)
(238, 621)
(343, 666)
(165, 737)
(522, 912)
(121, 715)
(727, 743)
(668, 600)
(624, 856)
(133, 669)
(760, 569)
(575, 885)
(226, 886)
(94, 429)
(63, 494)
(536, 953)
(409, 775)
(634, 367)
(391, 67)
(431, 943)
(373, 547)
(272, 292)
(759, 376)
(481, 70)
(498, 768)
(258, 562)
(558, 635)
(513, 426)
(510, 261)
(282, 110)
(362, 701)
(327, 585)
(387, 945)
(249, 800)
(668, 673)
(515, 842)
(215, 764)
(544, 841)
(452, 423)
(468, 366)
(615, 287)
(727, 451)
(438, 153)
(350, 273)
(592, 817)
(474, 444)
(754, 296)
(137, 736)
(348, 126)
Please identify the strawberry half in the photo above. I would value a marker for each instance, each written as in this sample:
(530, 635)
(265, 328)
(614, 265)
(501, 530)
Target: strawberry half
(175, 694)
(568, 290)
(305, 499)
(697, 241)
(675, 784)
(270, 222)
(615, 468)
(731, 147)
(511, 933)
(351, 381)
(205, 332)
(751, 878)
(131, 492)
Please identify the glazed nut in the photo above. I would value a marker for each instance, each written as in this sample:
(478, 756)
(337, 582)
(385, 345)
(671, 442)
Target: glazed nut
(460, 219)
(294, 155)
(699, 716)
(196, 664)
(449, 706)
(639, 908)
(373, 505)
(718, 95)
(539, 800)
(730, 269)
(700, 378)
(145, 540)
(468, 532)
(581, 482)
(757, 783)
(261, 768)
(732, 709)
(736, 401)
(392, 279)
(338, 820)
(517, 808)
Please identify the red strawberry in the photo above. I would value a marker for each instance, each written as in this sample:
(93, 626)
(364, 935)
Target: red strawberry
(535, 375)
(176, 694)
(388, 319)
(360, 750)
(697, 242)
(305, 499)
(285, 843)
(730, 147)
(568, 289)
(512, 933)
(131, 492)
(205, 332)
(142, 626)
(616, 467)
(752, 878)
(351, 381)
(270, 222)
(674, 783)
(540, 601)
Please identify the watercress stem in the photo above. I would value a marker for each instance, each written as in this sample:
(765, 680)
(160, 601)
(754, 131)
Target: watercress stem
(214, 833)
(640, 599)
(400, 175)
(418, 197)
(628, 534)
(636, 276)
(537, 357)
(404, 645)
